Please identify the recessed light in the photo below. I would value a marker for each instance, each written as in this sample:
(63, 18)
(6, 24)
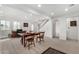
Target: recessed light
(25, 16)
(66, 9)
(52, 13)
(39, 5)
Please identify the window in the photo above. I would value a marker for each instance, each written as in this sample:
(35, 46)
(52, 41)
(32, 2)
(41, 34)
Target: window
(4, 25)
(16, 25)
(7, 25)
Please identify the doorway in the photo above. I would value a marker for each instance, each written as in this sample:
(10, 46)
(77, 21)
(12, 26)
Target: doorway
(55, 29)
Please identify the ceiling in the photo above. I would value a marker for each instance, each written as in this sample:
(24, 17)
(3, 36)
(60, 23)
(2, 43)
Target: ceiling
(45, 10)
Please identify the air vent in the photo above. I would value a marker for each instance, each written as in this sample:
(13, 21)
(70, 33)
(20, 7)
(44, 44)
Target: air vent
(71, 5)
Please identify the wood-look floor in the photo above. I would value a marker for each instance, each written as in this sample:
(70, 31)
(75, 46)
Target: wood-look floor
(13, 46)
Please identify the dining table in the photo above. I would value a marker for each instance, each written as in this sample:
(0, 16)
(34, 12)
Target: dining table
(24, 36)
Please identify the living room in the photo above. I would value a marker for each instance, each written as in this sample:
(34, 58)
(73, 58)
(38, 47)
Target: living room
(39, 29)
(54, 30)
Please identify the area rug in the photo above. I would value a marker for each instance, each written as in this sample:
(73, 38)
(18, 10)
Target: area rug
(52, 51)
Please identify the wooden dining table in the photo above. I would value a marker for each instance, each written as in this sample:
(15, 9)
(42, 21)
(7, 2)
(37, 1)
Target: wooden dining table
(24, 37)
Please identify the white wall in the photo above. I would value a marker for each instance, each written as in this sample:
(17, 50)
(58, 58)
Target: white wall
(61, 30)
(78, 27)
(65, 31)
(72, 31)
(57, 29)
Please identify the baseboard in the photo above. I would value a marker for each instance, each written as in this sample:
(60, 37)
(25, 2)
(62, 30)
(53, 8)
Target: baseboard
(72, 39)
(3, 37)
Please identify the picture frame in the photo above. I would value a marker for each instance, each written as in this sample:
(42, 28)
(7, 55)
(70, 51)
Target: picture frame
(25, 25)
(73, 23)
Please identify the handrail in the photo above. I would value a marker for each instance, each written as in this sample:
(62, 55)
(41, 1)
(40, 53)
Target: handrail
(43, 23)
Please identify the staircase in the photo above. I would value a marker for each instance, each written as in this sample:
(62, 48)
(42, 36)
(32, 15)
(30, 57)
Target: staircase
(43, 22)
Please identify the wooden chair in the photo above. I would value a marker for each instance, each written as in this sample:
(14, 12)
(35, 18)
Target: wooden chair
(25, 37)
(40, 37)
(36, 36)
(30, 41)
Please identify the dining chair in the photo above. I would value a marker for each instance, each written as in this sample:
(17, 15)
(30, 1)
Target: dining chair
(40, 37)
(30, 41)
